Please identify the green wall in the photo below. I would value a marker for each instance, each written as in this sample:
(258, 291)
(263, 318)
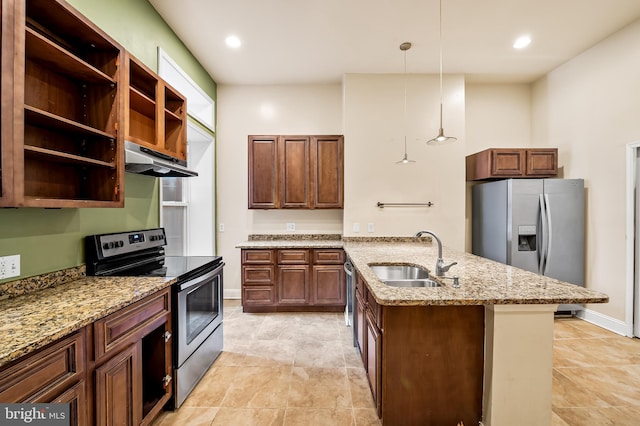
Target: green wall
(52, 239)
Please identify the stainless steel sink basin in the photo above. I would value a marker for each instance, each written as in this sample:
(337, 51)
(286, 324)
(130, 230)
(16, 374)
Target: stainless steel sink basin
(404, 276)
(425, 282)
(399, 272)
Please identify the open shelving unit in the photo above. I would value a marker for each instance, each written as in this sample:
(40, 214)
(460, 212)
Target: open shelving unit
(156, 112)
(66, 149)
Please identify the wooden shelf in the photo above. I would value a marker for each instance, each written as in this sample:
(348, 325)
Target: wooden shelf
(142, 103)
(171, 116)
(45, 51)
(63, 157)
(43, 118)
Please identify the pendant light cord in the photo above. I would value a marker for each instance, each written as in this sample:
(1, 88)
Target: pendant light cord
(404, 117)
(440, 41)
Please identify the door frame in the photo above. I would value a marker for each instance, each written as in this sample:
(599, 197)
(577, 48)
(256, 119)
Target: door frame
(633, 149)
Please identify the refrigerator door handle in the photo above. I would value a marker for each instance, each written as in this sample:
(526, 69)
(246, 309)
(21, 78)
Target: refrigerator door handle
(543, 244)
(549, 233)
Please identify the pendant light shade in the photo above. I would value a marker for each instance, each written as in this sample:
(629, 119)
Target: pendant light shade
(405, 160)
(441, 139)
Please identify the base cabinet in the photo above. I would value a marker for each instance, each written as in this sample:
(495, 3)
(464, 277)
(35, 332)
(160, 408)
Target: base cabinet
(133, 365)
(424, 364)
(56, 373)
(116, 371)
(293, 280)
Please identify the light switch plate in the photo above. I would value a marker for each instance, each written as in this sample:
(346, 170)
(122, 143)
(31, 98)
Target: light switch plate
(356, 227)
(370, 227)
(9, 266)
(291, 226)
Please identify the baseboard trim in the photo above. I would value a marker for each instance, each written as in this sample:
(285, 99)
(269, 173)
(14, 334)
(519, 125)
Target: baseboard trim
(604, 321)
(231, 293)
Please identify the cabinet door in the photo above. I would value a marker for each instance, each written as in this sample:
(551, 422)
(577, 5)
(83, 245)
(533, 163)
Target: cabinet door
(327, 172)
(542, 162)
(293, 285)
(263, 176)
(374, 347)
(328, 285)
(118, 389)
(76, 397)
(295, 170)
(360, 328)
(507, 162)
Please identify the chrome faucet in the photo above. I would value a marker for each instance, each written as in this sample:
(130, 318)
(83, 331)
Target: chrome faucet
(441, 268)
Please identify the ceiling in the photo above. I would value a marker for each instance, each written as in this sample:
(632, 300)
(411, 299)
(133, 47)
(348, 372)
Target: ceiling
(317, 41)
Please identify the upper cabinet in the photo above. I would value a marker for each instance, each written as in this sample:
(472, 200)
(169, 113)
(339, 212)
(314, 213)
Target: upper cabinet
(156, 113)
(502, 163)
(299, 172)
(61, 83)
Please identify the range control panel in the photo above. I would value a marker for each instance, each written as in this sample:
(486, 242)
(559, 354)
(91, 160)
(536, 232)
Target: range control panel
(129, 242)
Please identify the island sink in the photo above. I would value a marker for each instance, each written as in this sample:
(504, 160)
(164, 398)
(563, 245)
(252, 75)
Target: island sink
(403, 276)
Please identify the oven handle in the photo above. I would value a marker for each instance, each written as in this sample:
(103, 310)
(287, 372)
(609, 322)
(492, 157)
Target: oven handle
(197, 280)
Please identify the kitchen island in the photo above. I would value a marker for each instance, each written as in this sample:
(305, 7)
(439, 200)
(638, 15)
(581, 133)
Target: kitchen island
(516, 306)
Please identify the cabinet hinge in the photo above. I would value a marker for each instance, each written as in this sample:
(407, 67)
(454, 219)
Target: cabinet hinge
(166, 380)
(167, 336)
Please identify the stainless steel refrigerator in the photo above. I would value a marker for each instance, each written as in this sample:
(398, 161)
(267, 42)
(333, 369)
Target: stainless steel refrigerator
(533, 224)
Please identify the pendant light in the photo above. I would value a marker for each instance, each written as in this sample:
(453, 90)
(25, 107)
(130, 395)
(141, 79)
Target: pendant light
(441, 139)
(405, 160)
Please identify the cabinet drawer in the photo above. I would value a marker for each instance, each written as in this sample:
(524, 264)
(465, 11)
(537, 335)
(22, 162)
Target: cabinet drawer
(328, 256)
(374, 309)
(361, 288)
(258, 275)
(258, 295)
(294, 256)
(44, 375)
(258, 256)
(130, 324)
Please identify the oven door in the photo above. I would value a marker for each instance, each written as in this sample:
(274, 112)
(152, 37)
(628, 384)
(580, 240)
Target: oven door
(199, 311)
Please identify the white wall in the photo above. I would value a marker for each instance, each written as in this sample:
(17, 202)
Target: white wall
(590, 109)
(374, 141)
(497, 116)
(267, 110)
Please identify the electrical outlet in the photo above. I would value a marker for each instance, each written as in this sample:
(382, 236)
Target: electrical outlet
(370, 227)
(221, 227)
(356, 227)
(9, 266)
(291, 226)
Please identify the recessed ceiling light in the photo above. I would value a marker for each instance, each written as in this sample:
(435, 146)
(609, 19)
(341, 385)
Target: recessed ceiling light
(233, 41)
(522, 42)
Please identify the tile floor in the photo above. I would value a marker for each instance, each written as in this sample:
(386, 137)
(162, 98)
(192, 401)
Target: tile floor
(301, 369)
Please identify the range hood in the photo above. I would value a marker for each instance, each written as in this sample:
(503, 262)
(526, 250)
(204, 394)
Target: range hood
(145, 161)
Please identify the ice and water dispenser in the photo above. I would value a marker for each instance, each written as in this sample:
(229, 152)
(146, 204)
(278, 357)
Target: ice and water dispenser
(527, 238)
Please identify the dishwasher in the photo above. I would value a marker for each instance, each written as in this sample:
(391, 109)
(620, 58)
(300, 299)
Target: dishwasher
(348, 310)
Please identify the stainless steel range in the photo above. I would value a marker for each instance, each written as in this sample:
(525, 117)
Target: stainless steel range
(196, 296)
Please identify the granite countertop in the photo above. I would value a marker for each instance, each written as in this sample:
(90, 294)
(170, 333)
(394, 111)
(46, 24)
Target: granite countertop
(33, 320)
(482, 281)
(276, 241)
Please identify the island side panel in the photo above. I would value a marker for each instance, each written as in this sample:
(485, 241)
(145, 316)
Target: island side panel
(432, 365)
(518, 365)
